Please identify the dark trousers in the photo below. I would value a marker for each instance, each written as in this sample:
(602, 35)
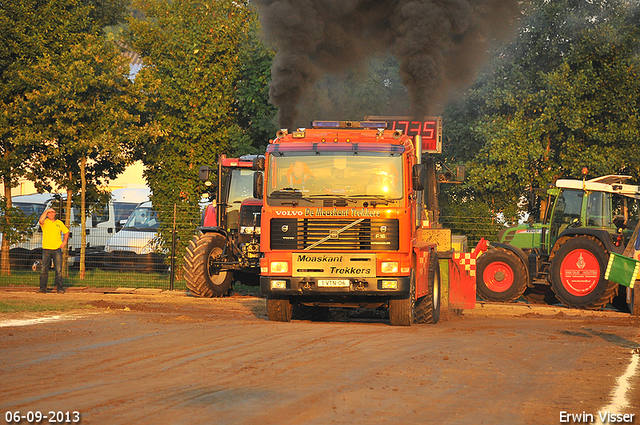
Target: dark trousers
(47, 256)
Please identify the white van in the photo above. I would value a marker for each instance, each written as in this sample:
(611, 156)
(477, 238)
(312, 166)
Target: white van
(100, 224)
(136, 246)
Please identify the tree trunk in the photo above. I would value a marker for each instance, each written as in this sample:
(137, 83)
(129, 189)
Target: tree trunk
(5, 264)
(83, 215)
(67, 222)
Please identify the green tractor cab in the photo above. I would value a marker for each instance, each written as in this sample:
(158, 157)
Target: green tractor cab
(561, 257)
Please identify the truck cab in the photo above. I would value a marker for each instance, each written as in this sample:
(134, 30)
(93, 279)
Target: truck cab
(339, 224)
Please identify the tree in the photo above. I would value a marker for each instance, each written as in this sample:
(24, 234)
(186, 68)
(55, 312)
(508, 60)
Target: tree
(29, 29)
(255, 115)
(192, 51)
(83, 114)
(562, 96)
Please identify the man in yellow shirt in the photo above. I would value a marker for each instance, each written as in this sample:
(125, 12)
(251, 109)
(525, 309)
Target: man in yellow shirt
(54, 239)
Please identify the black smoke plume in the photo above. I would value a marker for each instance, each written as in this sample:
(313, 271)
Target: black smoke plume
(440, 44)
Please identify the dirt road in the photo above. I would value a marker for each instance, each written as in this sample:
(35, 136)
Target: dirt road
(178, 360)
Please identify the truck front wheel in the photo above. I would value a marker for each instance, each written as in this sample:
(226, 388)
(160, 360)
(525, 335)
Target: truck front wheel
(501, 276)
(577, 274)
(203, 278)
(402, 311)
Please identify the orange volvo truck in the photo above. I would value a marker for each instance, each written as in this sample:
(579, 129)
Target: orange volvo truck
(345, 224)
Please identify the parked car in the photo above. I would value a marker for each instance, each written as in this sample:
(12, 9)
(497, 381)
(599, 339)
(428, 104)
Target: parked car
(136, 246)
(101, 224)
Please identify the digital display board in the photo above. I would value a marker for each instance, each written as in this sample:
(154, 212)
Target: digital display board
(430, 129)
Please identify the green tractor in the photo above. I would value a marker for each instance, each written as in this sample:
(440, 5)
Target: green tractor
(565, 256)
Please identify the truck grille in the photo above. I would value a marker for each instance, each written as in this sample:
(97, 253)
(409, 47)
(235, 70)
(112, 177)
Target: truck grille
(367, 235)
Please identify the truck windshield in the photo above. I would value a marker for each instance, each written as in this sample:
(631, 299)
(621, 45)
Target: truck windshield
(335, 174)
(122, 210)
(241, 186)
(143, 219)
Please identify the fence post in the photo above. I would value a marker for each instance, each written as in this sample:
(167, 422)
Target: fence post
(173, 251)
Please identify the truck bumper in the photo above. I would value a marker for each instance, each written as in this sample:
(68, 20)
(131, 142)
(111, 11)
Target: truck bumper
(358, 287)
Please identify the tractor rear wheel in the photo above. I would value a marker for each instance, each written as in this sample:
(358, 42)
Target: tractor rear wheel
(203, 278)
(428, 307)
(577, 274)
(279, 309)
(501, 276)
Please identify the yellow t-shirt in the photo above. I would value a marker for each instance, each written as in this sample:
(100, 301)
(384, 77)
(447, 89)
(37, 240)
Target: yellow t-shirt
(52, 234)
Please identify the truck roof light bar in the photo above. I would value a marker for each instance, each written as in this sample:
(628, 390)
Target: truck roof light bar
(349, 124)
(373, 124)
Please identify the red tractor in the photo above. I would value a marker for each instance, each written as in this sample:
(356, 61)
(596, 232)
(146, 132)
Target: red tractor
(227, 248)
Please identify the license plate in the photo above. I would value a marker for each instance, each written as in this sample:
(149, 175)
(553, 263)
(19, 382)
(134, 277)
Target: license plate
(334, 283)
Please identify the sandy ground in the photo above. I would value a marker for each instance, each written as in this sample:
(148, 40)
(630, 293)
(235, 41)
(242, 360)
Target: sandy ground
(160, 357)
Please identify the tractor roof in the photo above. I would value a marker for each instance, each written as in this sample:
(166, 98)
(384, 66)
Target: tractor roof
(609, 184)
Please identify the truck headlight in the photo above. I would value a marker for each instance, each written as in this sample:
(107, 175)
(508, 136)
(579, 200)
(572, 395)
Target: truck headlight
(279, 267)
(249, 230)
(389, 267)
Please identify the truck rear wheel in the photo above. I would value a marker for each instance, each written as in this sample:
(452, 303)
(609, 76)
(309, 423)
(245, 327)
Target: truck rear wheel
(501, 276)
(203, 279)
(279, 309)
(577, 274)
(428, 307)
(402, 311)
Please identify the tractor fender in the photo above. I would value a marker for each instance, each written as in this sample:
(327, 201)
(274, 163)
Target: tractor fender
(212, 229)
(602, 235)
(520, 253)
(209, 216)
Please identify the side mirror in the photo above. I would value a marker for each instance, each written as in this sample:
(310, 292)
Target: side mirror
(203, 172)
(258, 184)
(419, 177)
(258, 163)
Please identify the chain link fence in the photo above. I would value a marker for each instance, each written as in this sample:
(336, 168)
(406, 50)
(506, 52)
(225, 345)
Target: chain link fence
(133, 254)
(138, 252)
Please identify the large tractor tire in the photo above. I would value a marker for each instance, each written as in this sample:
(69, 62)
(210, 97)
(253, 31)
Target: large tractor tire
(402, 311)
(501, 276)
(428, 307)
(279, 309)
(577, 274)
(203, 279)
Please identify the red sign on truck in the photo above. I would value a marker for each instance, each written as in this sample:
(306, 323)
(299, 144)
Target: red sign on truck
(430, 128)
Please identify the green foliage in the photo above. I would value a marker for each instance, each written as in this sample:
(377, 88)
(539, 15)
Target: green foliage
(193, 53)
(255, 115)
(465, 214)
(84, 107)
(31, 31)
(562, 96)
